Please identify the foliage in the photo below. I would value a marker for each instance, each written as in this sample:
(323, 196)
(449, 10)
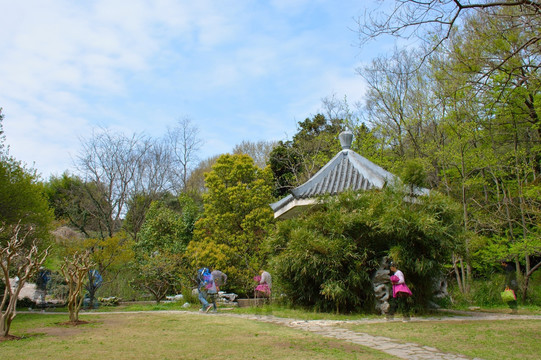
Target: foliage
(467, 114)
(167, 229)
(236, 219)
(160, 265)
(21, 196)
(293, 162)
(67, 197)
(120, 285)
(159, 273)
(327, 259)
(57, 286)
(110, 254)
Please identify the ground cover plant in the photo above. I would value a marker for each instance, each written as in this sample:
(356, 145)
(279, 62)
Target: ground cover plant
(516, 339)
(162, 335)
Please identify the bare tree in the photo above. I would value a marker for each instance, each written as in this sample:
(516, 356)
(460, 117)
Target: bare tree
(432, 21)
(110, 164)
(75, 270)
(20, 261)
(196, 180)
(151, 179)
(184, 143)
(338, 109)
(398, 101)
(258, 151)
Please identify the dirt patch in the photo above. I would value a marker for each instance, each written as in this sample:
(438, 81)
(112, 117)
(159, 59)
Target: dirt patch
(8, 338)
(74, 323)
(62, 330)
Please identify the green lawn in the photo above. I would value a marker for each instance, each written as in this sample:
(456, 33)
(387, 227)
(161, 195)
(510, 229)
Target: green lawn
(511, 339)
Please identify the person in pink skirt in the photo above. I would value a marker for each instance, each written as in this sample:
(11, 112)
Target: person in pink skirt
(401, 292)
(264, 286)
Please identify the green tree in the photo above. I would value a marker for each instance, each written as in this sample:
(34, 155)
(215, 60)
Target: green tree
(236, 219)
(22, 195)
(167, 229)
(294, 161)
(432, 22)
(69, 198)
(22, 199)
(468, 114)
(160, 274)
(111, 254)
(492, 127)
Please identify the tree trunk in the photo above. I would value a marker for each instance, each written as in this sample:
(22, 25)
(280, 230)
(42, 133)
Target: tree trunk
(527, 280)
(465, 275)
(457, 274)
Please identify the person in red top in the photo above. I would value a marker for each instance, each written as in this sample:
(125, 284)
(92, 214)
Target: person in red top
(401, 292)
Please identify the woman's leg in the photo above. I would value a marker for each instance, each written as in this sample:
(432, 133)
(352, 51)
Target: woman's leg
(403, 305)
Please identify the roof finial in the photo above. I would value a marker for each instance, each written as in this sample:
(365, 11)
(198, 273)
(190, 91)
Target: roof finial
(346, 138)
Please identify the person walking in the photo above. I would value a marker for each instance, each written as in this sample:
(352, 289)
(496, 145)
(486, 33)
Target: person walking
(511, 283)
(265, 284)
(401, 292)
(219, 279)
(204, 278)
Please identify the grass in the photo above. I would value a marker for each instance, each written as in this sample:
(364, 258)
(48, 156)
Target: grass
(512, 339)
(179, 335)
(129, 332)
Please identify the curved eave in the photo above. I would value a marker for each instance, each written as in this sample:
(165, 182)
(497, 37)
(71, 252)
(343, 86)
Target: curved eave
(289, 207)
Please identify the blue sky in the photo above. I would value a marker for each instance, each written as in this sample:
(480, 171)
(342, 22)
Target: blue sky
(240, 70)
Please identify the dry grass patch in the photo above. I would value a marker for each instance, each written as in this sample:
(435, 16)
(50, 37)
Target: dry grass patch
(176, 336)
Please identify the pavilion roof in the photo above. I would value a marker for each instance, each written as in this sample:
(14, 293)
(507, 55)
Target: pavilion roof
(346, 171)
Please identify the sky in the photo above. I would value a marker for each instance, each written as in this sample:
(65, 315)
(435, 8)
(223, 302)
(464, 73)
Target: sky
(239, 70)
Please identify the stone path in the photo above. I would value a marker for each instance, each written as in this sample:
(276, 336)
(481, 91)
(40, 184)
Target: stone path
(332, 329)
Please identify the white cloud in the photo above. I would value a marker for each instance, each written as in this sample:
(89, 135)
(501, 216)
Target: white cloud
(241, 69)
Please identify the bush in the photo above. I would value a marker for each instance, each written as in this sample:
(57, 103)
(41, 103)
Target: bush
(486, 292)
(189, 295)
(534, 289)
(57, 287)
(326, 259)
(26, 302)
(119, 286)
